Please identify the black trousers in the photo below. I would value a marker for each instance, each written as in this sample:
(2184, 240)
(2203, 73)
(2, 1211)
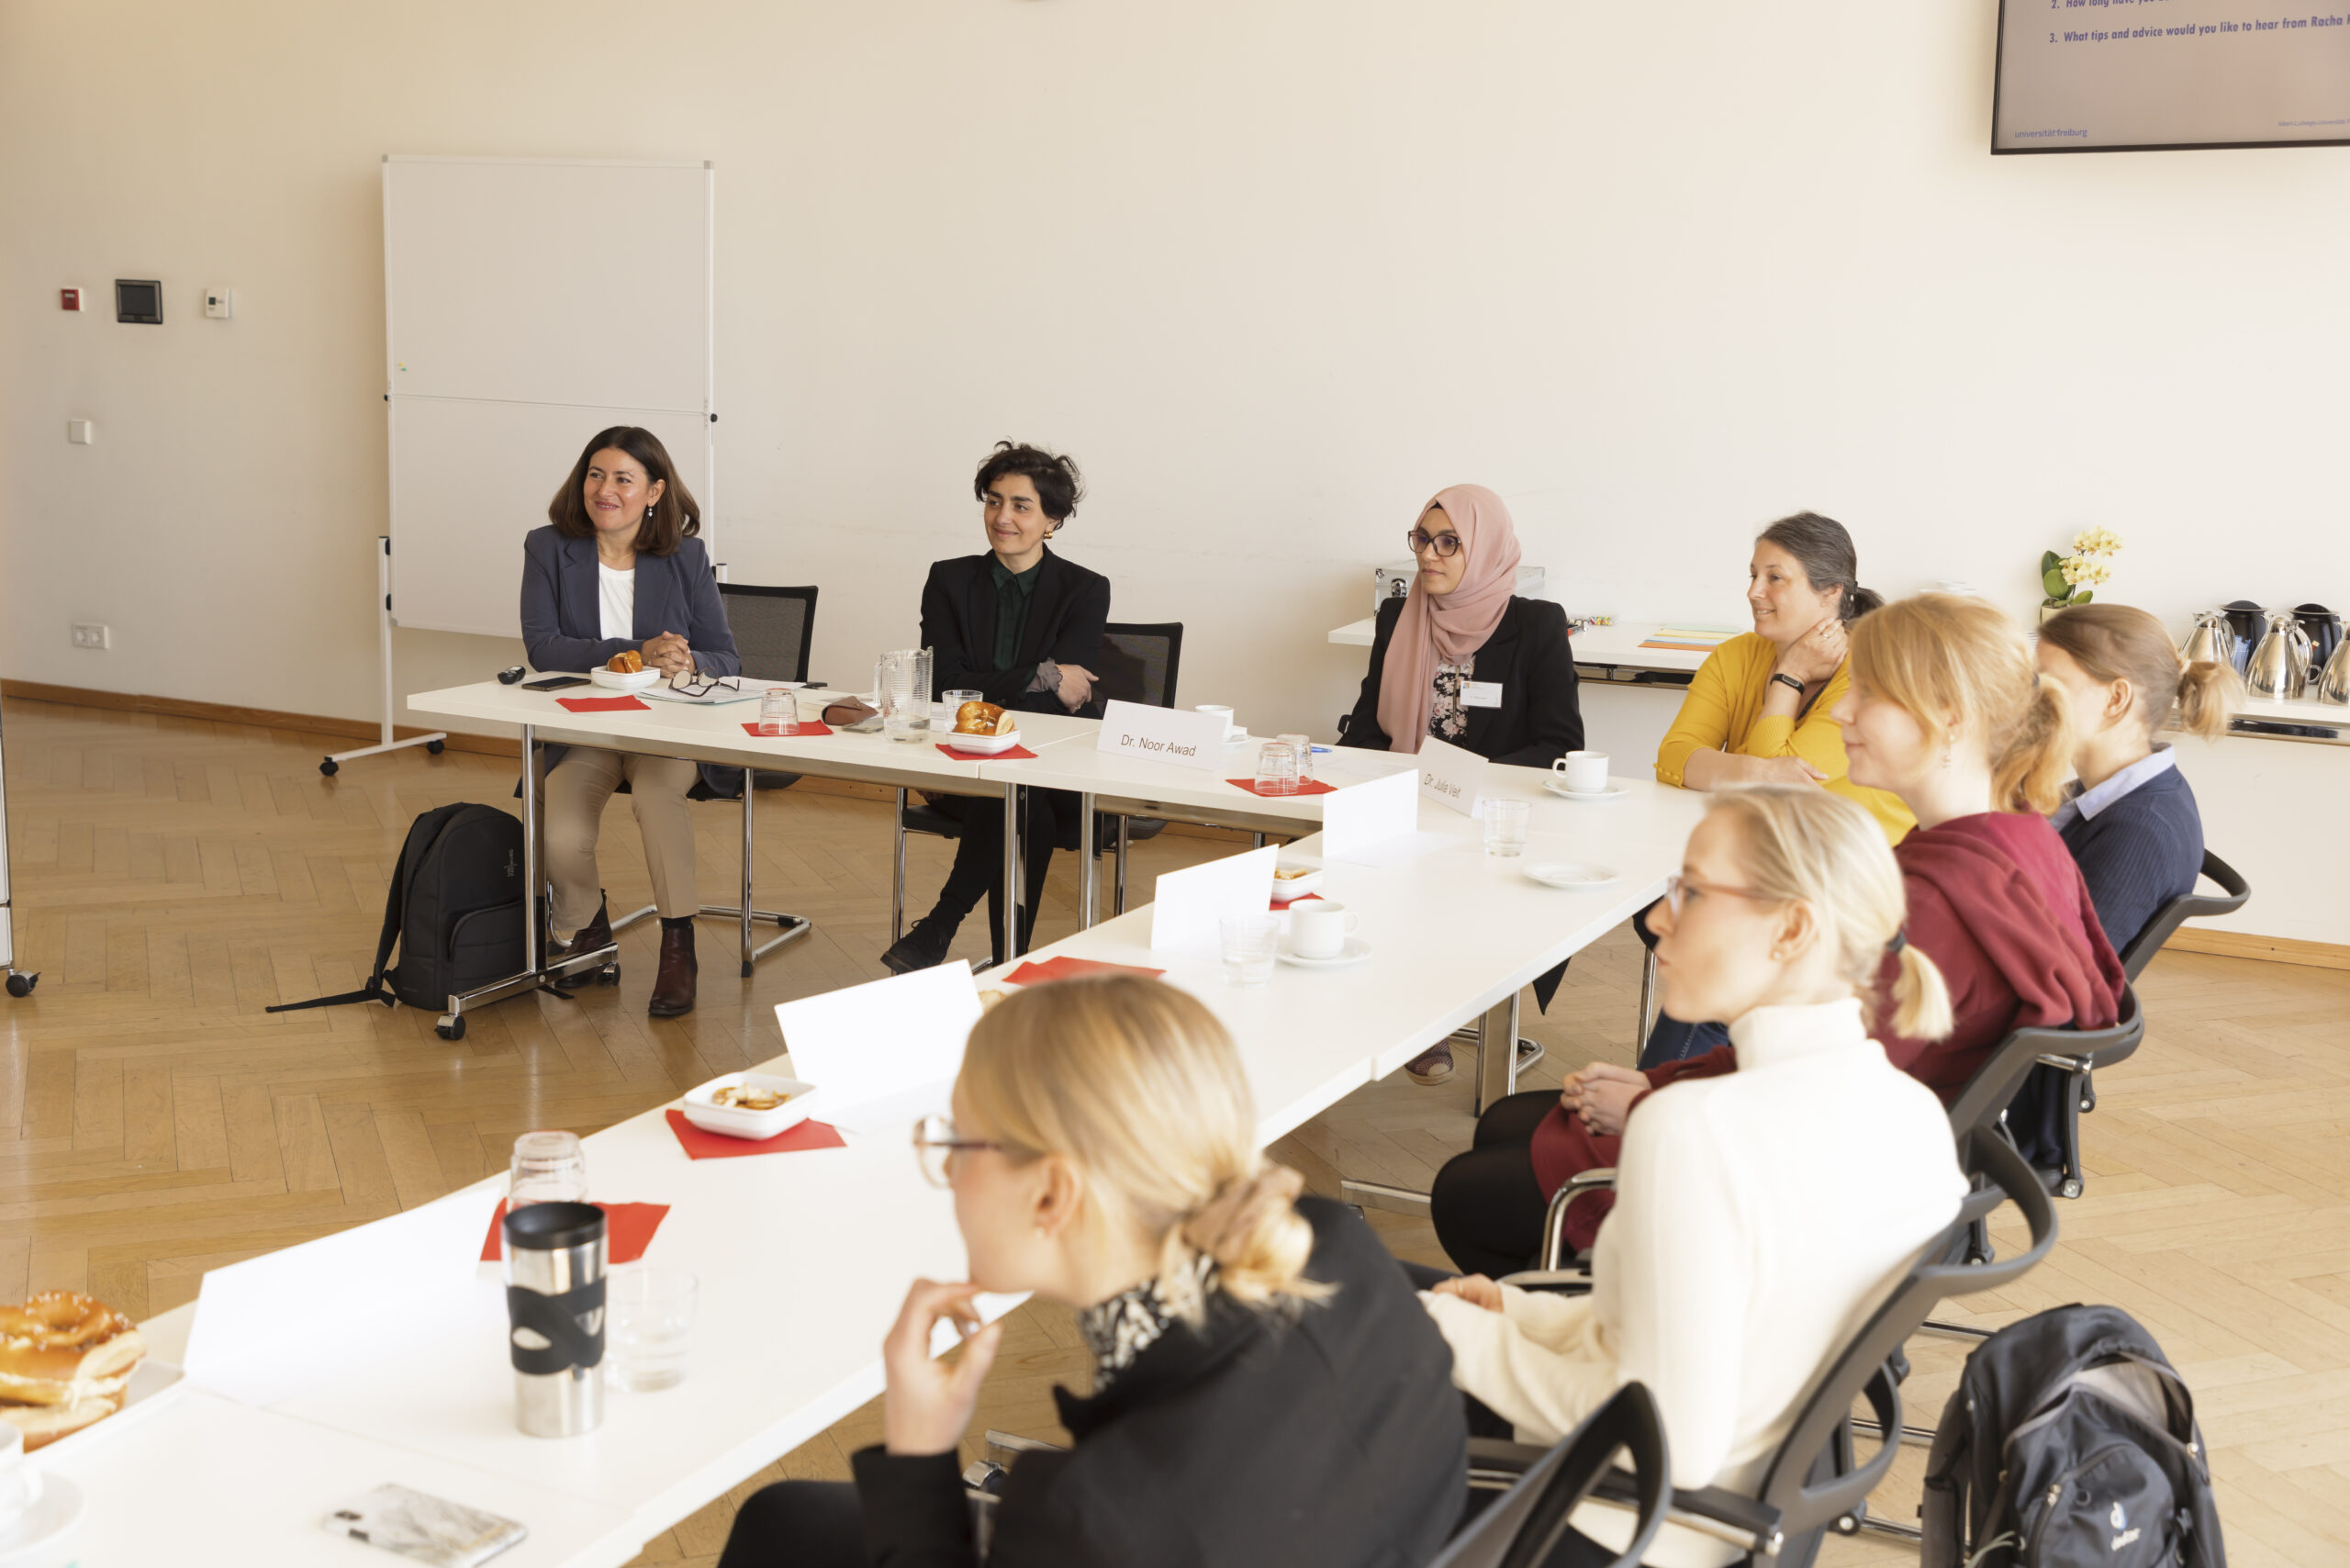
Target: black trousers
(978, 857)
(798, 1524)
(1487, 1207)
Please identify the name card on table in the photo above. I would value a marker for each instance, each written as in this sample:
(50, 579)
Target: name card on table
(1187, 905)
(1162, 734)
(886, 1052)
(1451, 776)
(1362, 816)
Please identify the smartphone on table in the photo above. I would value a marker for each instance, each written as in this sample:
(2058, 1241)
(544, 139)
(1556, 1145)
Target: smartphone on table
(554, 683)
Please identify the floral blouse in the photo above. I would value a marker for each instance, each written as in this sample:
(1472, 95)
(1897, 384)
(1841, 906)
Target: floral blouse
(1120, 1329)
(1446, 716)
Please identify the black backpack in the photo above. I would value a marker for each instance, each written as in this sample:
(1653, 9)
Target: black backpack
(454, 908)
(2071, 1441)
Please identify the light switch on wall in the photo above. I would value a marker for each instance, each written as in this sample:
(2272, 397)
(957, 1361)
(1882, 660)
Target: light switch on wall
(219, 302)
(81, 432)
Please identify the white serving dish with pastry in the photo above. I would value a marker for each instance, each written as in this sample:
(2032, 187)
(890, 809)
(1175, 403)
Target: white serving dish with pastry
(984, 745)
(632, 680)
(753, 1105)
(1295, 881)
(69, 1365)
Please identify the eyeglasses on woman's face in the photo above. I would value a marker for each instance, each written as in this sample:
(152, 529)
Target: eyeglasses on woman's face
(936, 1143)
(1679, 892)
(1447, 545)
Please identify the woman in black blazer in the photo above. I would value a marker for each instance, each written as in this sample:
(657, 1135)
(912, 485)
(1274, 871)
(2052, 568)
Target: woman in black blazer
(1262, 1392)
(1021, 627)
(618, 568)
(1465, 660)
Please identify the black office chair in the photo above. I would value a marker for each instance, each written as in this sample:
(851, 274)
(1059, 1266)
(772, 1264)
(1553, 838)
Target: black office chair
(1520, 1528)
(773, 629)
(1138, 665)
(2184, 908)
(1816, 1481)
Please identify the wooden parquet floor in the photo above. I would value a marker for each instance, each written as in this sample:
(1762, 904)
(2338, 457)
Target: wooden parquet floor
(173, 878)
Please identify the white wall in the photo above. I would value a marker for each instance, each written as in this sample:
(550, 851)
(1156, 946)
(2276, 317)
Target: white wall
(1274, 270)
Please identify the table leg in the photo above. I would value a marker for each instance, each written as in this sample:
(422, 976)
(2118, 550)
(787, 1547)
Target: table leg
(749, 794)
(531, 928)
(1012, 889)
(1125, 847)
(1089, 874)
(1497, 1052)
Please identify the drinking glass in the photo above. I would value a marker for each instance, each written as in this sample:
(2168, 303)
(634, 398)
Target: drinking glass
(549, 1167)
(649, 1318)
(778, 712)
(1248, 948)
(902, 690)
(1505, 827)
(949, 704)
(1277, 769)
(1304, 748)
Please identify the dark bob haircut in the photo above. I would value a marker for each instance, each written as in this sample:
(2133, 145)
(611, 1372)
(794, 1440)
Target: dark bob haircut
(1824, 551)
(1059, 486)
(673, 517)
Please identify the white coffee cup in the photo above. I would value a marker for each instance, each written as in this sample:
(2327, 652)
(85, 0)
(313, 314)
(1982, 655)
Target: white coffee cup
(1220, 711)
(19, 1482)
(1318, 928)
(1583, 772)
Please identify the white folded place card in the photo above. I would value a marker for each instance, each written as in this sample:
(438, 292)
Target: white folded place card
(1186, 738)
(885, 1052)
(1360, 816)
(1187, 905)
(1451, 776)
(271, 1325)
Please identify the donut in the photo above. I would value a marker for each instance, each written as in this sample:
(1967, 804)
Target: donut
(63, 1348)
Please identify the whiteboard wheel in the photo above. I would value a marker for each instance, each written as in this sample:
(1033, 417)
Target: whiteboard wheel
(330, 767)
(433, 747)
(21, 985)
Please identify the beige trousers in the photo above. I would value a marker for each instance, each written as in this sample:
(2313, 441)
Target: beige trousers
(575, 793)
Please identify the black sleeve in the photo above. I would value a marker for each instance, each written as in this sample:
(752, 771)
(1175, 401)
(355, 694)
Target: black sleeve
(952, 662)
(1546, 673)
(1362, 725)
(915, 1514)
(1077, 642)
(709, 636)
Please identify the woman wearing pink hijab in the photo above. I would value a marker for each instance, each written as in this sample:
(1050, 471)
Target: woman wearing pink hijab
(1463, 659)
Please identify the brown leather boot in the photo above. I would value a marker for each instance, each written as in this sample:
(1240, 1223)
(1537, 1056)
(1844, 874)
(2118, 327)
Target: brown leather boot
(673, 988)
(597, 933)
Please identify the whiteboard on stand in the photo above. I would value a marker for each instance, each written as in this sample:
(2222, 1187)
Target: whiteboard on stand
(528, 303)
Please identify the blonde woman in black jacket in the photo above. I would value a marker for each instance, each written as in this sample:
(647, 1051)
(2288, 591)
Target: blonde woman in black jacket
(1266, 1388)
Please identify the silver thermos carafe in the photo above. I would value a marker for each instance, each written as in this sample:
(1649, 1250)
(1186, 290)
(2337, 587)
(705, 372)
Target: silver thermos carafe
(2280, 665)
(555, 1309)
(2334, 683)
(2213, 641)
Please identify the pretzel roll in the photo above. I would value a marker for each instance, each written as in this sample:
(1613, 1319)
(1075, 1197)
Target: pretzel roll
(980, 719)
(44, 1424)
(628, 661)
(64, 1348)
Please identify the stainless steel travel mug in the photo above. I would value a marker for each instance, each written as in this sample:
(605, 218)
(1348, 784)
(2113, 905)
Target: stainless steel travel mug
(555, 1309)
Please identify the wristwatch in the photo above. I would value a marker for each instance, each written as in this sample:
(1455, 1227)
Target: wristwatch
(1781, 678)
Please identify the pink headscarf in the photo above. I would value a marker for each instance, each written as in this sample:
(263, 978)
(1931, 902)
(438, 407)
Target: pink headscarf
(1453, 626)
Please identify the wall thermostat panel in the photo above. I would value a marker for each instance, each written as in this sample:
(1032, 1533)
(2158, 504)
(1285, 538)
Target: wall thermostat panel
(138, 301)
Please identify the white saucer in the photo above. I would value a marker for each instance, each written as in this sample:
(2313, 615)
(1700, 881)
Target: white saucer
(35, 1534)
(1572, 874)
(1615, 789)
(1354, 952)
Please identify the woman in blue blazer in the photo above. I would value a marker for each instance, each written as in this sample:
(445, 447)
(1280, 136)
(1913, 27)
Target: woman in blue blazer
(619, 567)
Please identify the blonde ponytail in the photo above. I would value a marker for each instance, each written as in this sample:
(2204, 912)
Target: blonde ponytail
(2119, 642)
(1804, 846)
(1936, 656)
(1136, 1084)
(2209, 696)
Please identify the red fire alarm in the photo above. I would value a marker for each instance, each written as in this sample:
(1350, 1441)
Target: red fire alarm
(69, 300)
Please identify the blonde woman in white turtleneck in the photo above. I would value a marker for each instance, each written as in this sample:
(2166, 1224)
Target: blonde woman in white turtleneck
(1760, 1217)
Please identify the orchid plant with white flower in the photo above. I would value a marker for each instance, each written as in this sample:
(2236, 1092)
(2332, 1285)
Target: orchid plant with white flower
(2067, 580)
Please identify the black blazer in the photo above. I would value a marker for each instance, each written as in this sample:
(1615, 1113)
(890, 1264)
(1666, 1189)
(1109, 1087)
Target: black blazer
(1065, 619)
(2138, 854)
(1537, 722)
(562, 615)
(1337, 1439)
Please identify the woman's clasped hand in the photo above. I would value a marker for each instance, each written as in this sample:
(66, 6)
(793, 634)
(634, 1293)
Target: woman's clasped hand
(1602, 1096)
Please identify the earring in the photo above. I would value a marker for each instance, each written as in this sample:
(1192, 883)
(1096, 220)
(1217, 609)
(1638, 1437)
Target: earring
(1945, 756)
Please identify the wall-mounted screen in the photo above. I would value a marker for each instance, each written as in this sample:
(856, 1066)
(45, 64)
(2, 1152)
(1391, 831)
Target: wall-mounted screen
(2116, 76)
(139, 300)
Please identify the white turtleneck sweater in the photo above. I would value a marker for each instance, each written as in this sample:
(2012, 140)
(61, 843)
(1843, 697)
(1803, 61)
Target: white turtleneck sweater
(1759, 1218)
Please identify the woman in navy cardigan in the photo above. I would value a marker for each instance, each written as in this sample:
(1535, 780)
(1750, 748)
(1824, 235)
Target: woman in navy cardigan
(2130, 818)
(618, 568)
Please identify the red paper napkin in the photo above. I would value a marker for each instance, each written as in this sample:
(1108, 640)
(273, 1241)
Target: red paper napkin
(628, 1230)
(1310, 787)
(602, 704)
(1017, 754)
(1278, 905)
(1066, 968)
(807, 727)
(700, 1145)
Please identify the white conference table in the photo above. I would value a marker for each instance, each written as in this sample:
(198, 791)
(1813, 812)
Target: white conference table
(804, 1258)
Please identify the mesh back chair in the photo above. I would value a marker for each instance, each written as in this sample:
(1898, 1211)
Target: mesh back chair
(1816, 1481)
(773, 628)
(1138, 665)
(1521, 1527)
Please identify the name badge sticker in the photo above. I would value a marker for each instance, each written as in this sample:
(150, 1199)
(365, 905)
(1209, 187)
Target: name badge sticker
(1480, 694)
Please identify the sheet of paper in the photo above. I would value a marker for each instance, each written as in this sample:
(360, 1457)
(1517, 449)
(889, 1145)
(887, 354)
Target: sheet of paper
(1353, 764)
(271, 1325)
(1177, 735)
(886, 1052)
(1363, 815)
(1187, 905)
(746, 689)
(1451, 776)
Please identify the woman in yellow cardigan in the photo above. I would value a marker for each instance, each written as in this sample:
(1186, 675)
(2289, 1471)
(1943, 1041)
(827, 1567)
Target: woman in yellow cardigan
(1758, 710)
